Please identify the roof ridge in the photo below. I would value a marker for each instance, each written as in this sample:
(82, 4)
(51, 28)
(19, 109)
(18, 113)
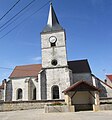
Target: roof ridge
(102, 81)
(27, 65)
(78, 83)
(78, 60)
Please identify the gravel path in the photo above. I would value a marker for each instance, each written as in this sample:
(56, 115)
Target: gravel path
(40, 115)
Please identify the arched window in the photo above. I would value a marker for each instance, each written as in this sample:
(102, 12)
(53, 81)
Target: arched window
(19, 93)
(34, 94)
(55, 92)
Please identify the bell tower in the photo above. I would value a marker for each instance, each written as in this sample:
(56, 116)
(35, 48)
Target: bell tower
(54, 57)
(53, 43)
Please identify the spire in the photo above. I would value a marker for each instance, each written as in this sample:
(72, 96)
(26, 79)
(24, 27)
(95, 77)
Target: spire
(52, 23)
(52, 19)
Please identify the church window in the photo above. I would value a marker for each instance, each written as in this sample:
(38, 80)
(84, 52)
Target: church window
(54, 62)
(55, 92)
(19, 93)
(34, 94)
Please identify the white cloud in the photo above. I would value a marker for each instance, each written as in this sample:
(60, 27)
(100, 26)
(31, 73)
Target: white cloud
(37, 58)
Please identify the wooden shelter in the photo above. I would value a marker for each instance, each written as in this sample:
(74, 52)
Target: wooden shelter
(83, 96)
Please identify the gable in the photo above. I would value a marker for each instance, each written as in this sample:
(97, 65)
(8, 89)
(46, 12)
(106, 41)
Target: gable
(79, 66)
(109, 77)
(26, 71)
(81, 86)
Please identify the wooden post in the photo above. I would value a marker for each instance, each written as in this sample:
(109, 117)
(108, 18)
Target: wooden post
(68, 99)
(97, 102)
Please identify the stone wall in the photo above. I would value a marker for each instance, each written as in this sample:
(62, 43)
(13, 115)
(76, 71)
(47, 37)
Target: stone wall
(63, 108)
(105, 103)
(56, 75)
(1, 94)
(106, 107)
(59, 77)
(24, 105)
(105, 100)
(58, 52)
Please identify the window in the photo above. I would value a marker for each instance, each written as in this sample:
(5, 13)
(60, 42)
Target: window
(53, 44)
(34, 94)
(19, 93)
(55, 92)
(54, 62)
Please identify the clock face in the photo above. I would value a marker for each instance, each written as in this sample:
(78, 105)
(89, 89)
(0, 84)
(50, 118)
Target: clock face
(52, 39)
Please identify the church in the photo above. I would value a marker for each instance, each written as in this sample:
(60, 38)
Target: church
(56, 77)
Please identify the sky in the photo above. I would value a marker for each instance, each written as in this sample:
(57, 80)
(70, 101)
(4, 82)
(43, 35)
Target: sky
(88, 25)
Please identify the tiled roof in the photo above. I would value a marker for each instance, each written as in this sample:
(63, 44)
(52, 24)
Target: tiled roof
(79, 66)
(2, 86)
(110, 77)
(101, 81)
(26, 71)
(81, 86)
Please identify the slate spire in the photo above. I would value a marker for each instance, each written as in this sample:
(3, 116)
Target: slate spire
(53, 23)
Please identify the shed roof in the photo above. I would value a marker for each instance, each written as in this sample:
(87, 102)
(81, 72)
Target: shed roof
(110, 77)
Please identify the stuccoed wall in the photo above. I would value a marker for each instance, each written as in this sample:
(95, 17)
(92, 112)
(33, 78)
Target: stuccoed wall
(24, 105)
(27, 85)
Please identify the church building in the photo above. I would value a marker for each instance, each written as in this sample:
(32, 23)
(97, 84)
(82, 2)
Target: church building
(56, 77)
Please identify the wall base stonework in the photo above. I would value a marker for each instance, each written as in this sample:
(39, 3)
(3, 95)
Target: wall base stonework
(105, 107)
(40, 104)
(106, 100)
(106, 103)
(64, 108)
(25, 105)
